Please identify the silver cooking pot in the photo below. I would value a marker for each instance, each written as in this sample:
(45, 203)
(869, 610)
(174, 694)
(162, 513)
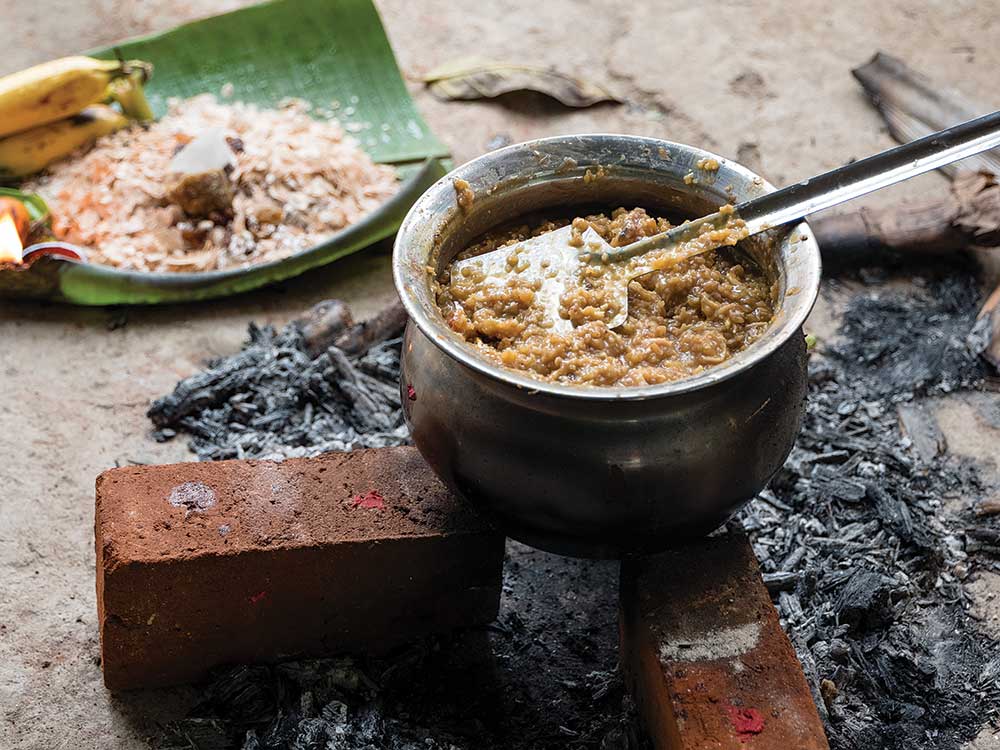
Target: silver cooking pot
(590, 471)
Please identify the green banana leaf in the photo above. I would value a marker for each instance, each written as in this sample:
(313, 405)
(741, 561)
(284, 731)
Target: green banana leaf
(332, 53)
(37, 209)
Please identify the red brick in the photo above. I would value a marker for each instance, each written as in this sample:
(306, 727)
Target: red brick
(707, 661)
(203, 564)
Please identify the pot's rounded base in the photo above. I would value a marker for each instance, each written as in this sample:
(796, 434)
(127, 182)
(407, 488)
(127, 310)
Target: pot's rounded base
(602, 480)
(603, 548)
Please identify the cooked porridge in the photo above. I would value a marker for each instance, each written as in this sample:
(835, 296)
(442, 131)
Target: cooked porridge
(681, 320)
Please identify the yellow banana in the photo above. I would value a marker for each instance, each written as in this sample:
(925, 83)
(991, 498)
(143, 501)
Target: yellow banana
(130, 96)
(31, 151)
(56, 90)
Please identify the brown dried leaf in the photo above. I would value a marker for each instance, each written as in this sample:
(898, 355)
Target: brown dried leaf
(472, 78)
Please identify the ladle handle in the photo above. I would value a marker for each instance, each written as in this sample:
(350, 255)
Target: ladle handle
(878, 171)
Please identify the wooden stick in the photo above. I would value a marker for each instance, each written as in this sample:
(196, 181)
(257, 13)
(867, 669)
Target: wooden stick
(388, 323)
(968, 214)
(913, 105)
(988, 328)
(330, 323)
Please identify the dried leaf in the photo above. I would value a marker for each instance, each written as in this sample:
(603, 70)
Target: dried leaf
(472, 78)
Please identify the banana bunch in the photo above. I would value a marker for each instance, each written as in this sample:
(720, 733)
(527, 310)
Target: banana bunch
(52, 109)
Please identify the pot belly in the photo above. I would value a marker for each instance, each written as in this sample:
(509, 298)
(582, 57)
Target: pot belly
(601, 479)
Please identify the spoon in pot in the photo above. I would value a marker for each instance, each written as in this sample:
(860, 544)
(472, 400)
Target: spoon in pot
(556, 264)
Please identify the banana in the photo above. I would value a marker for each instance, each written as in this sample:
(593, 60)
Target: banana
(58, 89)
(31, 151)
(130, 96)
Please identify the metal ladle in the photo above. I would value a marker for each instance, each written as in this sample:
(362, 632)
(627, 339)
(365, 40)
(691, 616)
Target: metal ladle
(556, 262)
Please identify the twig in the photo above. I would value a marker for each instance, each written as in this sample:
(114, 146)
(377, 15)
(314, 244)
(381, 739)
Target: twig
(913, 105)
(969, 214)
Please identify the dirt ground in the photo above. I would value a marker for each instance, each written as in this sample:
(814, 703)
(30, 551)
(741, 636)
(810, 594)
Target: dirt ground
(754, 80)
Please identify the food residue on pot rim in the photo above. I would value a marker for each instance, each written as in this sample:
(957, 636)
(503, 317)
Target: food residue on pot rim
(463, 193)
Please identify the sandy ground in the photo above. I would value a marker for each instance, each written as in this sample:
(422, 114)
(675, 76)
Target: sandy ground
(756, 79)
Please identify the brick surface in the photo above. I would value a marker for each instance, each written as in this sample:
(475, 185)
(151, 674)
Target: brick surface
(203, 564)
(707, 661)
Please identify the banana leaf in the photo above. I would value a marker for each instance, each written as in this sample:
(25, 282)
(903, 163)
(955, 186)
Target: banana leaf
(37, 209)
(331, 53)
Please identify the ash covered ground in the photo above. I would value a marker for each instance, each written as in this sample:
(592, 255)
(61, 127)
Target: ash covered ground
(858, 539)
(544, 675)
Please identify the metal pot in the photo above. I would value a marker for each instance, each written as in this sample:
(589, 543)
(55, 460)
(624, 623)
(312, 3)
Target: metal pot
(588, 471)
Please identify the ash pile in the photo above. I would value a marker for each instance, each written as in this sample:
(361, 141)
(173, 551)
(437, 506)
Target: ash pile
(861, 537)
(327, 704)
(544, 675)
(865, 556)
(323, 383)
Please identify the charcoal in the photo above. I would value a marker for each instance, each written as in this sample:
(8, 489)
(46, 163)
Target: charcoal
(387, 324)
(863, 602)
(985, 534)
(244, 693)
(293, 393)
(915, 342)
(369, 726)
(864, 563)
(323, 324)
(199, 733)
(334, 713)
(861, 558)
(780, 581)
(310, 734)
(832, 484)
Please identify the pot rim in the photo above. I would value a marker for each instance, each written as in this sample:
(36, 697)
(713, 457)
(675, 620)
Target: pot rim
(791, 315)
